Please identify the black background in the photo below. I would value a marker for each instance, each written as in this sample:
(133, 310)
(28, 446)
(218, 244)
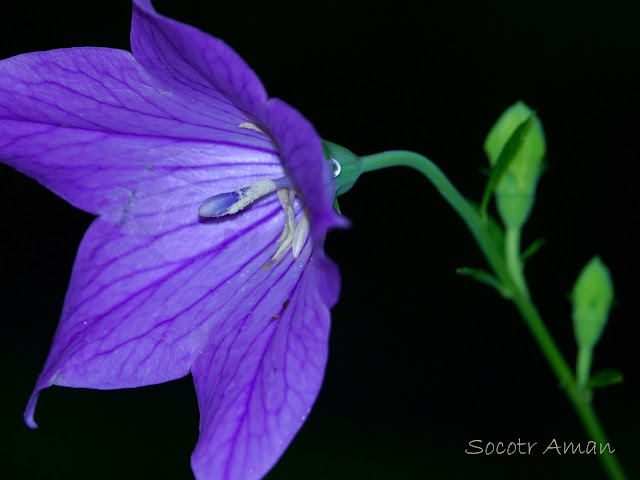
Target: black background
(421, 360)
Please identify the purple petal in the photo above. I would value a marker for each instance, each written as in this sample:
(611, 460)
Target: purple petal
(327, 278)
(302, 150)
(183, 55)
(93, 126)
(141, 306)
(257, 380)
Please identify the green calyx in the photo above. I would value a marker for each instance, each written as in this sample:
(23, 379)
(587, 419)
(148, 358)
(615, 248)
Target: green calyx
(515, 193)
(348, 168)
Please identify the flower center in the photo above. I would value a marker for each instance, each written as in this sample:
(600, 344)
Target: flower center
(293, 234)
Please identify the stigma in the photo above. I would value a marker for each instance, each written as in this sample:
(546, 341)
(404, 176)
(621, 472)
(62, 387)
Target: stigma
(232, 202)
(294, 234)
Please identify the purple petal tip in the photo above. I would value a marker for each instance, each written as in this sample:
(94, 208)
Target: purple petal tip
(30, 410)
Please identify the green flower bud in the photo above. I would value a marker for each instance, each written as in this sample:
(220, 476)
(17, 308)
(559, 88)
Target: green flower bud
(592, 296)
(515, 193)
(347, 166)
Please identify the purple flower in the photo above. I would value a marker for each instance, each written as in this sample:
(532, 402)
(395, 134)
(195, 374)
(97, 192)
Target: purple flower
(158, 291)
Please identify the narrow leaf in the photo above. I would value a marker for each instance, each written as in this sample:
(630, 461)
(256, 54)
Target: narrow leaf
(533, 248)
(604, 378)
(482, 277)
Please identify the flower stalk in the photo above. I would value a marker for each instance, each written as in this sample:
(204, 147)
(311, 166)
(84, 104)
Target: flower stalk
(502, 251)
(514, 259)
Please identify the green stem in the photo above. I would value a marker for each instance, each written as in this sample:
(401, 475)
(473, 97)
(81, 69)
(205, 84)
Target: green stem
(583, 365)
(503, 254)
(482, 232)
(513, 259)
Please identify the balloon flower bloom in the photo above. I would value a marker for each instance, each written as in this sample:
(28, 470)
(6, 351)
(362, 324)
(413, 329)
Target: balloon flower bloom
(206, 257)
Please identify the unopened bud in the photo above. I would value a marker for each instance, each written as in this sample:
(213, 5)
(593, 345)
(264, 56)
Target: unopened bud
(515, 193)
(592, 297)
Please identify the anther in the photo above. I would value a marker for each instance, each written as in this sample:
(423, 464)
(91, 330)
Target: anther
(300, 235)
(293, 236)
(286, 199)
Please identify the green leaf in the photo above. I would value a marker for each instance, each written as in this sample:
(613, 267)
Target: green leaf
(604, 378)
(482, 277)
(507, 154)
(531, 249)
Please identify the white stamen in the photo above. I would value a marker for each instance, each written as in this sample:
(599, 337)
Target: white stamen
(283, 198)
(291, 219)
(250, 126)
(228, 203)
(286, 198)
(293, 236)
(282, 250)
(300, 235)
